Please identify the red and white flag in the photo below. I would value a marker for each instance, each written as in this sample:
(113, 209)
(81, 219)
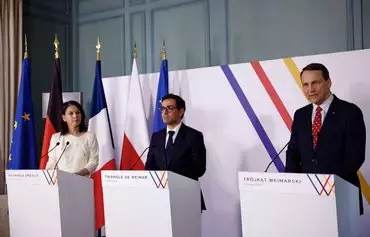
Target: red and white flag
(136, 138)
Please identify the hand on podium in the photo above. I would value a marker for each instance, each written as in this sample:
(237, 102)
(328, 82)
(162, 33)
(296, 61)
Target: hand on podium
(83, 172)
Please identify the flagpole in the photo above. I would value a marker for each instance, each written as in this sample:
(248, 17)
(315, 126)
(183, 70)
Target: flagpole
(56, 45)
(164, 54)
(98, 46)
(98, 59)
(25, 47)
(135, 51)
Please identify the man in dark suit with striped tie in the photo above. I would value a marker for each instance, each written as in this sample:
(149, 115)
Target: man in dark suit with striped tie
(177, 148)
(328, 135)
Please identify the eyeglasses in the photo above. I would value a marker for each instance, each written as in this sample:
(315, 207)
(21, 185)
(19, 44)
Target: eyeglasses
(168, 108)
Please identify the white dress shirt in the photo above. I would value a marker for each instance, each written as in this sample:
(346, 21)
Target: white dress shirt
(82, 152)
(324, 106)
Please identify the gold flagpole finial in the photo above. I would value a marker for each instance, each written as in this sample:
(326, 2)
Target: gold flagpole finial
(25, 47)
(98, 46)
(164, 54)
(135, 51)
(56, 45)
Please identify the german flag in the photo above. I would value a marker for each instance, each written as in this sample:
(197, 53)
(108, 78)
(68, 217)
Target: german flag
(53, 117)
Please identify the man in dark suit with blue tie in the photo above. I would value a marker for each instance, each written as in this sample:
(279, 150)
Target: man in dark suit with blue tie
(177, 148)
(329, 135)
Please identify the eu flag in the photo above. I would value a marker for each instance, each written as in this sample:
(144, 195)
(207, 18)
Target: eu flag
(23, 144)
(161, 91)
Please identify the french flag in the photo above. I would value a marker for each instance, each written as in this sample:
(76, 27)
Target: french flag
(100, 125)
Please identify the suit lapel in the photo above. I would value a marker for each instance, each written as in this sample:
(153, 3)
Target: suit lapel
(308, 126)
(330, 114)
(161, 147)
(329, 120)
(176, 150)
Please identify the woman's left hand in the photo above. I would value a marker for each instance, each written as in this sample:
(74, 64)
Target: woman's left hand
(83, 172)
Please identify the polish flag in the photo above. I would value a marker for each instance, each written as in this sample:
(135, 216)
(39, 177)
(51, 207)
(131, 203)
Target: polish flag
(136, 138)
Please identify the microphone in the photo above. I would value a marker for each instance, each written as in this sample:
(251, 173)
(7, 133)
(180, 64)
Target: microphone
(57, 144)
(56, 164)
(153, 146)
(276, 156)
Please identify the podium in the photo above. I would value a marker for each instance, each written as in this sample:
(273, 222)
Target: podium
(151, 204)
(45, 203)
(287, 204)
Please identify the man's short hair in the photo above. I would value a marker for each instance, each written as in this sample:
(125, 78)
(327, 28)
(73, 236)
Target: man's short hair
(180, 102)
(317, 67)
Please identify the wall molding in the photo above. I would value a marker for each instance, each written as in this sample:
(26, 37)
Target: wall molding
(142, 51)
(95, 17)
(38, 12)
(50, 8)
(136, 2)
(130, 8)
(168, 6)
(99, 8)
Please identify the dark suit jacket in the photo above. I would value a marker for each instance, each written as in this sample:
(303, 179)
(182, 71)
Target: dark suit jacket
(340, 147)
(188, 154)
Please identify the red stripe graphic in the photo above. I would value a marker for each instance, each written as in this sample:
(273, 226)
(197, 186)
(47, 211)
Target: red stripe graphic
(273, 94)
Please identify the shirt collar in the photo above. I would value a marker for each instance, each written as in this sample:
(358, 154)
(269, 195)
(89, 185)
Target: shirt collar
(175, 129)
(326, 104)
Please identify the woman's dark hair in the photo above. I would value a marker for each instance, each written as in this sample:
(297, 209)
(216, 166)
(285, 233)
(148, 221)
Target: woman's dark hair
(64, 127)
